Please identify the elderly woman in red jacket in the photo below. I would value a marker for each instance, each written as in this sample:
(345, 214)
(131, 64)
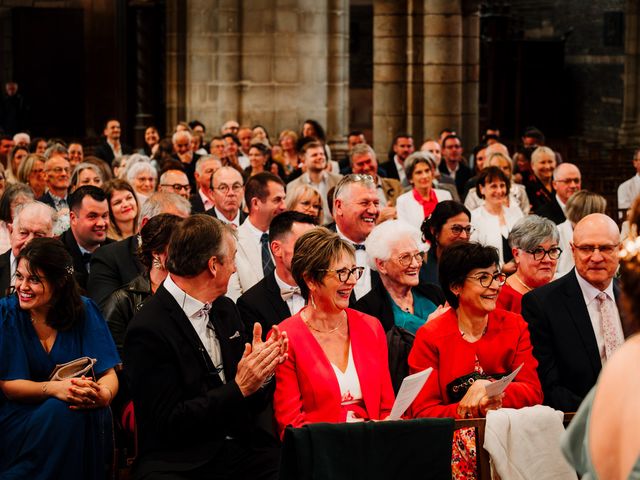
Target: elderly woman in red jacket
(337, 369)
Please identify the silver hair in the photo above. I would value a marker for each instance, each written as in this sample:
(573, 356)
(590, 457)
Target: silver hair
(56, 149)
(159, 202)
(556, 171)
(203, 159)
(384, 236)
(361, 149)
(181, 133)
(419, 157)
(164, 176)
(531, 231)
(138, 167)
(343, 189)
(41, 209)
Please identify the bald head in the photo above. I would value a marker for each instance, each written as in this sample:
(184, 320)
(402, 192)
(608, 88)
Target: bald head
(496, 148)
(595, 246)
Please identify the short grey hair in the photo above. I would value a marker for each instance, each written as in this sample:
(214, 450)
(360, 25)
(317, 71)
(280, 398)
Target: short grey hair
(531, 231)
(55, 150)
(384, 236)
(206, 158)
(166, 173)
(133, 170)
(159, 202)
(361, 149)
(343, 189)
(181, 133)
(415, 159)
(42, 210)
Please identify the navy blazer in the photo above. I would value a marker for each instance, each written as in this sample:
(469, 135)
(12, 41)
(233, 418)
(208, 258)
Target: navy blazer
(563, 341)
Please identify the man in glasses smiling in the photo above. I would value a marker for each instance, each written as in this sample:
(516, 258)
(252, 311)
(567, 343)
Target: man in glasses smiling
(574, 321)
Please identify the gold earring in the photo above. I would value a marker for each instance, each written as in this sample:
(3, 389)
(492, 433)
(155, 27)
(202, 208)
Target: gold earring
(156, 263)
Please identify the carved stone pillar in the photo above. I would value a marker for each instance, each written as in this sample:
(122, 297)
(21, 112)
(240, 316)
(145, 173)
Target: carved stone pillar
(629, 133)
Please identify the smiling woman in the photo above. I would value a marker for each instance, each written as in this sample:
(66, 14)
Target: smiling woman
(472, 344)
(337, 367)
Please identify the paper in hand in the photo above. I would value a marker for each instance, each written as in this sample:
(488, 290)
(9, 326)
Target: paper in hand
(499, 386)
(411, 386)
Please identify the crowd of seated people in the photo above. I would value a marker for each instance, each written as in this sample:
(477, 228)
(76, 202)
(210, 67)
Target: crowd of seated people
(225, 286)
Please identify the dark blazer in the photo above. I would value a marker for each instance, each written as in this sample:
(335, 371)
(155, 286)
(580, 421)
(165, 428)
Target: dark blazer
(79, 268)
(378, 304)
(183, 410)
(212, 212)
(113, 266)
(5, 272)
(463, 174)
(196, 203)
(563, 341)
(104, 152)
(391, 169)
(48, 199)
(552, 211)
(262, 303)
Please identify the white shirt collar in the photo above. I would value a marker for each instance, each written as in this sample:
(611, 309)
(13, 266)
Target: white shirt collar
(255, 232)
(188, 304)
(344, 237)
(590, 292)
(281, 283)
(222, 218)
(562, 205)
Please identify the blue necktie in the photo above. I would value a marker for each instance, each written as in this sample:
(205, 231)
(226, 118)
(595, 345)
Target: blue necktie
(267, 263)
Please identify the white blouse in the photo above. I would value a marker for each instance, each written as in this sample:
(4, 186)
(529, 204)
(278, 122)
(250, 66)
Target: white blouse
(410, 211)
(350, 391)
(487, 226)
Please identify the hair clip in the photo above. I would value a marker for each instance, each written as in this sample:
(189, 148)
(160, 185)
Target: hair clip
(69, 269)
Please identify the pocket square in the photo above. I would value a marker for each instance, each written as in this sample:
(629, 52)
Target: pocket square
(235, 335)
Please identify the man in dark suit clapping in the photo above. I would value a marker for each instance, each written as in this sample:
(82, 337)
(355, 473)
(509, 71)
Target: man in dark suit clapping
(196, 383)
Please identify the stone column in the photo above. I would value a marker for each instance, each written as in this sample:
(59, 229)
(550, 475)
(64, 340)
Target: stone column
(469, 121)
(629, 133)
(389, 72)
(443, 66)
(176, 63)
(338, 71)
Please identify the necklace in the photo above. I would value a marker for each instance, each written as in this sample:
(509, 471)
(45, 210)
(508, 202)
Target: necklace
(515, 275)
(325, 331)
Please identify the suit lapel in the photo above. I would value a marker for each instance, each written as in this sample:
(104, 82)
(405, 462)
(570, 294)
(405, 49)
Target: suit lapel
(361, 350)
(220, 317)
(579, 314)
(274, 297)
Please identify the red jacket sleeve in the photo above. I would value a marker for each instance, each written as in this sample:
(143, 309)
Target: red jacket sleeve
(430, 400)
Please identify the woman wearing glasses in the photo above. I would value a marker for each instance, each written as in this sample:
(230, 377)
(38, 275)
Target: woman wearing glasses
(399, 301)
(471, 344)
(449, 223)
(534, 244)
(337, 367)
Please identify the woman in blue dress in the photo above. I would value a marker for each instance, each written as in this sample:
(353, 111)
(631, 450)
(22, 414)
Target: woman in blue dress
(59, 428)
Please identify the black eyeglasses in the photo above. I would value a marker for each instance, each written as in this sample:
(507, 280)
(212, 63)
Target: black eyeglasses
(177, 187)
(458, 229)
(487, 279)
(407, 259)
(344, 273)
(603, 249)
(539, 253)
(224, 188)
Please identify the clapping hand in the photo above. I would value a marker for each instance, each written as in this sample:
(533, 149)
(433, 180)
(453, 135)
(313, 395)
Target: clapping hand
(260, 359)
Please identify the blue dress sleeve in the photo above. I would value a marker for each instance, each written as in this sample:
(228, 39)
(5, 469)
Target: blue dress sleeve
(14, 363)
(96, 339)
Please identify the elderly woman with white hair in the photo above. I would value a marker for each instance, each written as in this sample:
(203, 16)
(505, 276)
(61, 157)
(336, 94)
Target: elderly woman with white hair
(395, 250)
(418, 203)
(142, 176)
(534, 245)
(539, 185)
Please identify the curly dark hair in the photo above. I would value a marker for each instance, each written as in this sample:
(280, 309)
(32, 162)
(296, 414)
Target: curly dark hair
(48, 258)
(155, 236)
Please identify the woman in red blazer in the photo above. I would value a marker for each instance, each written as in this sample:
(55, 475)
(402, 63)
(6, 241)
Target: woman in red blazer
(337, 368)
